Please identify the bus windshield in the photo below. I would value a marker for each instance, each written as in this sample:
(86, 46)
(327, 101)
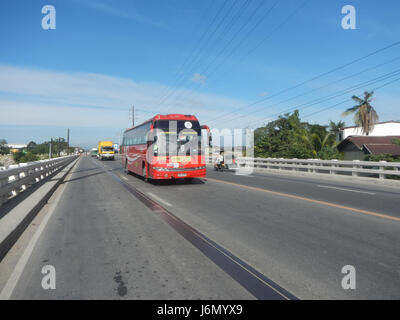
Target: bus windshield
(177, 126)
(177, 137)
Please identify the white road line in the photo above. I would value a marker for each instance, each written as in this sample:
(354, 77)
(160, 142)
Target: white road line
(159, 199)
(125, 178)
(345, 189)
(23, 260)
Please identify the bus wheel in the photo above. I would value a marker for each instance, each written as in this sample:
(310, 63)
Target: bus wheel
(126, 166)
(144, 173)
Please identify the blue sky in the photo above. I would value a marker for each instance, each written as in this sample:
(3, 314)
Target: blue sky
(179, 56)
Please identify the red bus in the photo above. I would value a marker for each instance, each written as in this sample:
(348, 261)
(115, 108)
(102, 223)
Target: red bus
(165, 147)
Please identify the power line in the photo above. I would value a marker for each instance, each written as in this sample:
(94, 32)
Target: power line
(249, 19)
(262, 41)
(200, 52)
(330, 107)
(315, 89)
(340, 93)
(310, 80)
(189, 56)
(242, 58)
(214, 42)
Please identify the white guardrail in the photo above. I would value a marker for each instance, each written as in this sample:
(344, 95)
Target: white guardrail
(381, 169)
(17, 178)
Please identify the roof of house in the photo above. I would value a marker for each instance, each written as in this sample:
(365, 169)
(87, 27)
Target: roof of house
(16, 146)
(373, 144)
(392, 149)
(391, 121)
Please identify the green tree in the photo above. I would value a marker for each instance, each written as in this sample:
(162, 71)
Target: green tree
(334, 128)
(21, 157)
(318, 142)
(396, 141)
(31, 145)
(322, 142)
(382, 157)
(288, 137)
(365, 115)
(4, 149)
(282, 138)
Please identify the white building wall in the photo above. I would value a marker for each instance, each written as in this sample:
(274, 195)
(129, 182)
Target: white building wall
(379, 130)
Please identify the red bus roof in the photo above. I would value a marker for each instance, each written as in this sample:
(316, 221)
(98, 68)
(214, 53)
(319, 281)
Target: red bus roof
(174, 116)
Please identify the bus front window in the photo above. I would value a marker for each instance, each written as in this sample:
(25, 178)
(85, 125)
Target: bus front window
(177, 137)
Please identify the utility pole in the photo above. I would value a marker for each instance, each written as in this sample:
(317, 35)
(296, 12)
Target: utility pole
(51, 142)
(58, 146)
(68, 141)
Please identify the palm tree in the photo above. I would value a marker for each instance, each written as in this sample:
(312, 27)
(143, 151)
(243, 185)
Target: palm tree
(318, 141)
(334, 128)
(365, 115)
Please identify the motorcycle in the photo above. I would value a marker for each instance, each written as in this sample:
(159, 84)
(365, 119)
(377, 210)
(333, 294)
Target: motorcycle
(219, 166)
(231, 166)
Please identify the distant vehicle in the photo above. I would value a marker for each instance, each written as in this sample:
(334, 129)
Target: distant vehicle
(93, 152)
(116, 148)
(165, 147)
(105, 150)
(228, 164)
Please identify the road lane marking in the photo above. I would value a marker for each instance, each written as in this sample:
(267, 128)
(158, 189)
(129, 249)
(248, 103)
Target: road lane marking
(251, 279)
(125, 178)
(159, 199)
(23, 260)
(345, 189)
(329, 204)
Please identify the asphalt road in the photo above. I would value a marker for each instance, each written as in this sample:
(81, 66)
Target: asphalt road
(298, 232)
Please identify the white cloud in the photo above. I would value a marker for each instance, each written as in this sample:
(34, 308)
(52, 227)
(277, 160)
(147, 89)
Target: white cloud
(199, 78)
(41, 97)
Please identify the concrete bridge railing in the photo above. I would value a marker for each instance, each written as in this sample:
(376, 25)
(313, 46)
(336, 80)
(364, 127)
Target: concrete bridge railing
(18, 178)
(380, 170)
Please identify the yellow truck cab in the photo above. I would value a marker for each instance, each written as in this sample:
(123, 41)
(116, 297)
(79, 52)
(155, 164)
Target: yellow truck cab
(105, 150)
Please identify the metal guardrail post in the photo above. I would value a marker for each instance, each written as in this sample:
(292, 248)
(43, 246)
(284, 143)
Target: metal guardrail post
(354, 173)
(294, 165)
(382, 168)
(333, 171)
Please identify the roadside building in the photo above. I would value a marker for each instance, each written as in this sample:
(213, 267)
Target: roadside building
(357, 147)
(16, 147)
(380, 129)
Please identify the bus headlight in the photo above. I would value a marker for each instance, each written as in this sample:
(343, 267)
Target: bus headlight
(160, 169)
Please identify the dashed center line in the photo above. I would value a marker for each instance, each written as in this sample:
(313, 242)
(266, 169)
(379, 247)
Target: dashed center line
(324, 203)
(345, 189)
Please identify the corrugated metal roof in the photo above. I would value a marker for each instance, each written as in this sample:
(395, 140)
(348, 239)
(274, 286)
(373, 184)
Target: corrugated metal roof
(359, 141)
(373, 144)
(392, 149)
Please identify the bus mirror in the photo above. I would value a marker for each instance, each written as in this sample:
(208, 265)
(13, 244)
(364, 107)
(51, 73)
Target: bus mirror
(209, 136)
(152, 138)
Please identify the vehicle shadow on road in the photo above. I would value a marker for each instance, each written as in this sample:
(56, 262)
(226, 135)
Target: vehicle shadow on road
(170, 182)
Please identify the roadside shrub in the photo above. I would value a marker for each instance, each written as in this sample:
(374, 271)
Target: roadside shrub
(382, 157)
(21, 157)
